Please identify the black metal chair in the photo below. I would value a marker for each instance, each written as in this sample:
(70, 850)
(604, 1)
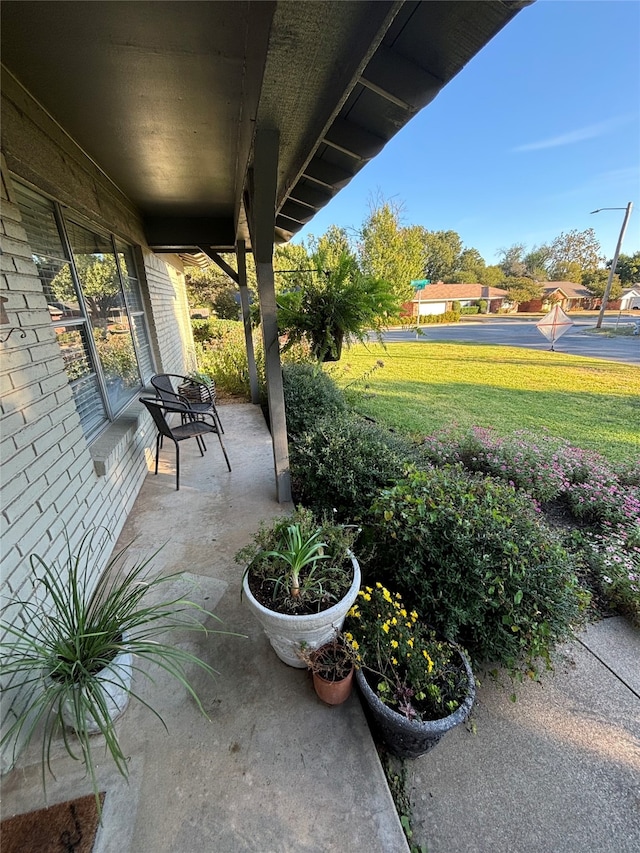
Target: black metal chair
(168, 389)
(191, 427)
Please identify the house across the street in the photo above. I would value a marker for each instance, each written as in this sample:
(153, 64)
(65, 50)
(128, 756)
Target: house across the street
(439, 297)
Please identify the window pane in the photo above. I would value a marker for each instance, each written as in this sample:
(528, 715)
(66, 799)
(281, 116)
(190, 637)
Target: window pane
(99, 279)
(89, 403)
(119, 364)
(40, 224)
(75, 351)
(100, 283)
(58, 287)
(142, 346)
(131, 286)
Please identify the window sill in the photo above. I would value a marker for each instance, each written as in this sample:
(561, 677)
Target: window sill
(112, 444)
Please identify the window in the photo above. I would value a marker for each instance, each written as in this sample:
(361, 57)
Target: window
(93, 293)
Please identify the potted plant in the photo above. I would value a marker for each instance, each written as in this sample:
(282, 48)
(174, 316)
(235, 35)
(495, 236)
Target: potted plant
(69, 651)
(332, 666)
(333, 302)
(300, 581)
(415, 687)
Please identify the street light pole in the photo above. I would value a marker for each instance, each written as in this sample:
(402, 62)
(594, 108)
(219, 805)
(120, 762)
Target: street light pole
(607, 290)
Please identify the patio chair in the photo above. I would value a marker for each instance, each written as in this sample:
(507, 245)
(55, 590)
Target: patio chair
(191, 427)
(167, 387)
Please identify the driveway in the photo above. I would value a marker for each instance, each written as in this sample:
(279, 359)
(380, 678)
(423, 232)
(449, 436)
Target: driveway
(516, 332)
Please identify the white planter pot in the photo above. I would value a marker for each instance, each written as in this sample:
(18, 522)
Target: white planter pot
(115, 681)
(286, 633)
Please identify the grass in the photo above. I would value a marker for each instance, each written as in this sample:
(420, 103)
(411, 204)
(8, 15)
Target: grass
(424, 387)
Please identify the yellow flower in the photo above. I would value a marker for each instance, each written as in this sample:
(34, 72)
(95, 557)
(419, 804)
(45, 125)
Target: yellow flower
(354, 644)
(348, 636)
(403, 613)
(394, 644)
(379, 585)
(414, 616)
(386, 595)
(385, 627)
(394, 661)
(366, 596)
(410, 642)
(429, 661)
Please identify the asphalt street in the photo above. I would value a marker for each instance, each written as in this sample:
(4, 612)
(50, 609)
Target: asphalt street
(509, 331)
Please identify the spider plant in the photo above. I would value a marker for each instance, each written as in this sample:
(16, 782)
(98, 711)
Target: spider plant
(298, 552)
(58, 642)
(284, 561)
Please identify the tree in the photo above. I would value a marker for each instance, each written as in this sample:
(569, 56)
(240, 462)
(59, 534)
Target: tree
(331, 305)
(522, 289)
(627, 268)
(596, 283)
(470, 266)
(579, 248)
(442, 253)
(388, 251)
(536, 262)
(491, 276)
(512, 260)
(333, 243)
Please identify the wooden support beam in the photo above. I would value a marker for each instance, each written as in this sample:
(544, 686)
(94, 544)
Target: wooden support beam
(246, 321)
(263, 214)
(220, 262)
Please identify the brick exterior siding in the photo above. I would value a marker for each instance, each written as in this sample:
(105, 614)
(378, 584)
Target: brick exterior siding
(55, 485)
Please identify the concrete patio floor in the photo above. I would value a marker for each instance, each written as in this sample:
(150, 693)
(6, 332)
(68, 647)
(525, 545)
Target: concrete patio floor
(273, 770)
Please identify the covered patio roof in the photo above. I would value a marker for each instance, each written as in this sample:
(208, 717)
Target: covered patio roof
(166, 97)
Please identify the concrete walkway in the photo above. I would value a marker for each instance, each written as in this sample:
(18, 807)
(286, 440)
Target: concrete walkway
(273, 770)
(558, 771)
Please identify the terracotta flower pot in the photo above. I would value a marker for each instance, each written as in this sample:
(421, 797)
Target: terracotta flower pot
(333, 692)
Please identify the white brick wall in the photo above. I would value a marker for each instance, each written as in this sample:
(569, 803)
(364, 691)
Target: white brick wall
(54, 485)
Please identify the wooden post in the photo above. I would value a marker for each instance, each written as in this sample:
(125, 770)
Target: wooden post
(246, 320)
(265, 177)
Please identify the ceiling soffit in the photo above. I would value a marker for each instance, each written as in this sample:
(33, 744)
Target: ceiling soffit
(165, 97)
(424, 47)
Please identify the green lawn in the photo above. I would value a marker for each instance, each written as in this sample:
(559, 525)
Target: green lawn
(426, 387)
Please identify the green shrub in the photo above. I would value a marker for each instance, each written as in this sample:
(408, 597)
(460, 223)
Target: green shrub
(471, 554)
(470, 309)
(482, 306)
(221, 352)
(447, 317)
(309, 395)
(342, 461)
(456, 306)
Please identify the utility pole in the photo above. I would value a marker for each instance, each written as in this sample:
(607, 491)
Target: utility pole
(614, 262)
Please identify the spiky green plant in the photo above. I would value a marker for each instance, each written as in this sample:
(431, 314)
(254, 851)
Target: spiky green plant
(58, 642)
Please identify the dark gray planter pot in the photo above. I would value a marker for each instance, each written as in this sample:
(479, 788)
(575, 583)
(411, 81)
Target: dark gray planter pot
(409, 738)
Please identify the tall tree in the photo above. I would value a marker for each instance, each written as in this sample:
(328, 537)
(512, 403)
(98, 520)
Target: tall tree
(491, 276)
(596, 282)
(389, 251)
(512, 261)
(522, 289)
(628, 268)
(536, 262)
(442, 254)
(469, 267)
(575, 249)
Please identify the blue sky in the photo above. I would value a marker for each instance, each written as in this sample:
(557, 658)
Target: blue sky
(539, 129)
